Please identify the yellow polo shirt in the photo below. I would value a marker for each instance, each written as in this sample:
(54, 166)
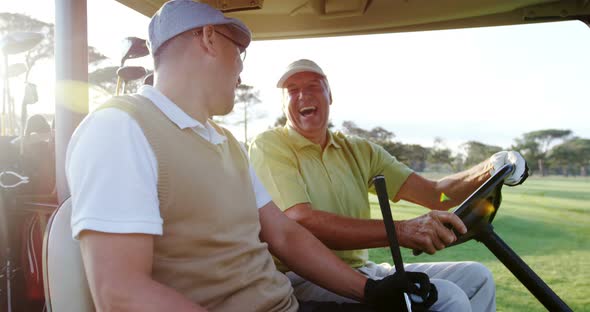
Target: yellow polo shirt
(338, 179)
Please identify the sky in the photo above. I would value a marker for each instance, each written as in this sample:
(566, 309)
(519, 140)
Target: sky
(485, 84)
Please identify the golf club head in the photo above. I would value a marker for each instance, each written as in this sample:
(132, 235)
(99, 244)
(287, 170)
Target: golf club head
(149, 79)
(15, 70)
(18, 42)
(30, 96)
(133, 47)
(129, 73)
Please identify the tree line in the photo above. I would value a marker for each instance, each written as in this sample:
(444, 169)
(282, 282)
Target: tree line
(547, 151)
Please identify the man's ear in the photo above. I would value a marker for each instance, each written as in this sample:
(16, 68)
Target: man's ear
(208, 38)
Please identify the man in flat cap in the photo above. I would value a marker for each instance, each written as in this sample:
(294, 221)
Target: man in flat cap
(322, 178)
(169, 214)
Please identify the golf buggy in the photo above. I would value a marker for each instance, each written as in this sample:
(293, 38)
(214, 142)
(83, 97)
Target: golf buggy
(32, 161)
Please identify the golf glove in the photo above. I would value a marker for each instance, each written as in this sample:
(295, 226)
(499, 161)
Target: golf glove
(388, 294)
(521, 170)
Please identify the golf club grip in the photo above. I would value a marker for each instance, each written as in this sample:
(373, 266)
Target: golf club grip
(381, 189)
(118, 88)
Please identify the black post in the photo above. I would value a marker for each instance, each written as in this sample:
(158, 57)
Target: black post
(521, 270)
(381, 190)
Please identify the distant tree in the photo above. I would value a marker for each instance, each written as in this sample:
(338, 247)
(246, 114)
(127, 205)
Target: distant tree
(377, 135)
(246, 98)
(476, 152)
(281, 121)
(574, 152)
(418, 156)
(440, 154)
(350, 128)
(94, 56)
(536, 144)
(106, 77)
(458, 163)
(12, 22)
(413, 155)
(381, 135)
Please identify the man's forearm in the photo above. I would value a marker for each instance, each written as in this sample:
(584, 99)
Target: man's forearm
(315, 262)
(460, 185)
(456, 187)
(306, 255)
(142, 295)
(339, 232)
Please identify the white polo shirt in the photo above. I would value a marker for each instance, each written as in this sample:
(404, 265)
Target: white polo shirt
(112, 170)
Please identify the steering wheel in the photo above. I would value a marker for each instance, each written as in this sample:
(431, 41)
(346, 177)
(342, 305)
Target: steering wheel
(478, 212)
(480, 208)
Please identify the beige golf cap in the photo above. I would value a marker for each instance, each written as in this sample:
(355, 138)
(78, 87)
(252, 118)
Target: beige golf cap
(178, 16)
(300, 66)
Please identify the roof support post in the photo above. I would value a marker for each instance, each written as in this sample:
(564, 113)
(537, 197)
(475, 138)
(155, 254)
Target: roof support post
(71, 68)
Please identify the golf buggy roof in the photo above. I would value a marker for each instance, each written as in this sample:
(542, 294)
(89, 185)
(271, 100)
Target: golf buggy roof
(279, 19)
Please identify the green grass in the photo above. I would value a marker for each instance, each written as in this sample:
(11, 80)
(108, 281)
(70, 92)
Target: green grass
(546, 221)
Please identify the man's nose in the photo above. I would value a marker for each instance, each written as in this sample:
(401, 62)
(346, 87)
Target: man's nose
(301, 93)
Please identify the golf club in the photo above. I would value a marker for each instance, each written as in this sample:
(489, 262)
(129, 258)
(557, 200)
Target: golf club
(12, 71)
(13, 43)
(30, 96)
(129, 73)
(132, 47)
(15, 70)
(19, 42)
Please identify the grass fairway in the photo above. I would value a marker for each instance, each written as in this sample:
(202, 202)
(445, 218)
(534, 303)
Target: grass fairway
(546, 221)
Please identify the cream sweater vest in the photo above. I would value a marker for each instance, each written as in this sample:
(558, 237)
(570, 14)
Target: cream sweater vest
(210, 250)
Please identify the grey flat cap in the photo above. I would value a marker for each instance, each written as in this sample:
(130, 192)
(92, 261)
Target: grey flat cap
(178, 16)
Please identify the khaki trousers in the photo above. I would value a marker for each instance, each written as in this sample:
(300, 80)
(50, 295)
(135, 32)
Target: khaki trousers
(462, 286)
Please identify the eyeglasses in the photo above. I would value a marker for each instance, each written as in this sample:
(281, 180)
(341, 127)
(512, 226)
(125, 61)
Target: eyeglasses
(241, 48)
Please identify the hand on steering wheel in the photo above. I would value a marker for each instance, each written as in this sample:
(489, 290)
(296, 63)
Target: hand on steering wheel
(430, 232)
